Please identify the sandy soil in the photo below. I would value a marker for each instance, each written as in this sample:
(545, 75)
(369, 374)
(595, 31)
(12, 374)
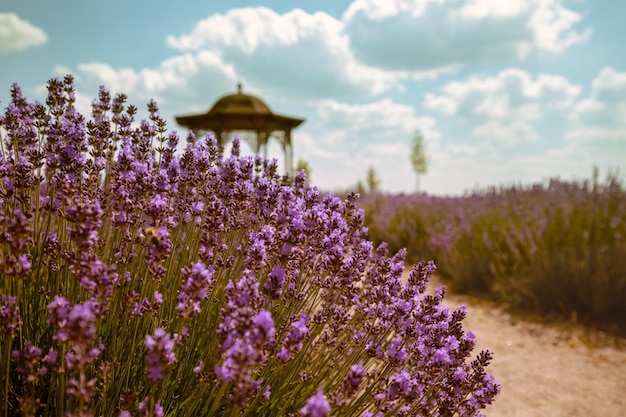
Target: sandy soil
(548, 369)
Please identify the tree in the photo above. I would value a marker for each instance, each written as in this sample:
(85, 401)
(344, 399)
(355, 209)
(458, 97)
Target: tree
(303, 165)
(372, 180)
(419, 159)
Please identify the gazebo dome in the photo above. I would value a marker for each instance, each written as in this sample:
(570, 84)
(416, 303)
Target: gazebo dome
(240, 103)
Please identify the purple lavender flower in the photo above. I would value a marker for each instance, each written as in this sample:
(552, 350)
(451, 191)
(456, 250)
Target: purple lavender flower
(401, 385)
(263, 330)
(275, 280)
(160, 348)
(27, 362)
(74, 324)
(350, 386)
(197, 280)
(9, 316)
(293, 341)
(52, 358)
(240, 357)
(246, 336)
(145, 411)
(158, 205)
(397, 351)
(83, 389)
(316, 406)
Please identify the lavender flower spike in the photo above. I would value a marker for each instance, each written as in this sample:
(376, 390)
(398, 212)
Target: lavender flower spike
(160, 347)
(316, 406)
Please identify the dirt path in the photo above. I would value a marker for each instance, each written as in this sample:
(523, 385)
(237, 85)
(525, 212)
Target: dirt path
(548, 370)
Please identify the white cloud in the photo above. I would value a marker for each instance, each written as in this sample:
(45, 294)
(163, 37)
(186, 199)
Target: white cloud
(602, 116)
(295, 54)
(349, 138)
(184, 77)
(247, 29)
(375, 122)
(17, 34)
(386, 150)
(427, 35)
(306, 58)
(507, 133)
(597, 135)
(506, 105)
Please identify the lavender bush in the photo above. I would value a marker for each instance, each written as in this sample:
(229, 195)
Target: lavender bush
(142, 281)
(553, 248)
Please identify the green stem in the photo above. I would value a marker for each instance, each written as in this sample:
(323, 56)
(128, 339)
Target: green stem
(61, 391)
(5, 381)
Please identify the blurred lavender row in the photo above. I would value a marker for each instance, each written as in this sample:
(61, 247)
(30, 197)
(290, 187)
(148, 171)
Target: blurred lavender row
(556, 248)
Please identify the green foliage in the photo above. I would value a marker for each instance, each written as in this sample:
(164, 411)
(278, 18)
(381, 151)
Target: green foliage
(419, 159)
(303, 165)
(372, 180)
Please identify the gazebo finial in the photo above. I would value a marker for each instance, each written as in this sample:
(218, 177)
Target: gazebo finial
(239, 87)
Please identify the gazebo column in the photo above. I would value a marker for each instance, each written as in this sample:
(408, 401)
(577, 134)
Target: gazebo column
(288, 150)
(263, 140)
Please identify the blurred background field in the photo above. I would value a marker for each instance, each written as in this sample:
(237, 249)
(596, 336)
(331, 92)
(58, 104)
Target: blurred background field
(557, 248)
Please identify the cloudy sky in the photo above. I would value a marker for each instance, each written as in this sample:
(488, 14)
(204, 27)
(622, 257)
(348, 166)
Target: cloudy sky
(504, 92)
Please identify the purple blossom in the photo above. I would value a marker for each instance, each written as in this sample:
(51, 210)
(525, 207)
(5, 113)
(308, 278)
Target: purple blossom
(246, 336)
(82, 388)
(293, 341)
(274, 283)
(158, 205)
(79, 356)
(316, 406)
(263, 329)
(160, 349)
(199, 368)
(240, 357)
(442, 356)
(197, 208)
(9, 315)
(27, 362)
(52, 358)
(74, 324)
(258, 253)
(195, 287)
(350, 385)
(401, 385)
(397, 351)
(95, 276)
(145, 411)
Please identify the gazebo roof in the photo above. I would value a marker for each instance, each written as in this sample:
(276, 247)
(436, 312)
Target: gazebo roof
(239, 111)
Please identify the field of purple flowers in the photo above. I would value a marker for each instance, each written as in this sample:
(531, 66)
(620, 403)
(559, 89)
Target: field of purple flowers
(142, 278)
(557, 248)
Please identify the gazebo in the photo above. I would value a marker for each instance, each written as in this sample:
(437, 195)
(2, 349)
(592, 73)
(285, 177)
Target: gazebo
(248, 117)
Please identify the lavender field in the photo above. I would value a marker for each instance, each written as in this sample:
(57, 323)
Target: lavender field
(140, 279)
(556, 248)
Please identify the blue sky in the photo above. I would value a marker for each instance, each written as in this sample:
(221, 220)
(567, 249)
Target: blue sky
(504, 92)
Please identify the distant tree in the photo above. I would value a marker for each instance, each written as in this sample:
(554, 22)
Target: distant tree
(372, 180)
(360, 188)
(419, 159)
(303, 165)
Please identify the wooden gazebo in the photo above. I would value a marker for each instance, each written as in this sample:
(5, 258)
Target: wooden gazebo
(248, 117)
